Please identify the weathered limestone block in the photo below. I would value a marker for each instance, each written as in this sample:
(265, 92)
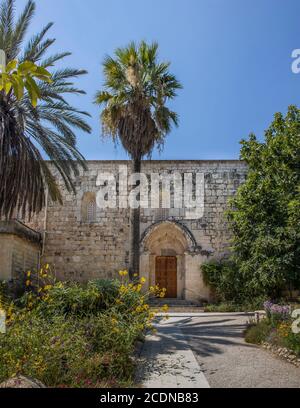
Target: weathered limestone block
(19, 249)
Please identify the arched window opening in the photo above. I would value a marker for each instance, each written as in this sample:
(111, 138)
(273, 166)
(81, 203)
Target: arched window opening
(88, 207)
(91, 211)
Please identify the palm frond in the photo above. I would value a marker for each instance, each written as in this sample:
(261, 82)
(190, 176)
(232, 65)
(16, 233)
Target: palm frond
(50, 61)
(34, 45)
(6, 25)
(29, 134)
(20, 28)
(133, 100)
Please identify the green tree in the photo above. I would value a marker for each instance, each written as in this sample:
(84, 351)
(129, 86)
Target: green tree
(28, 132)
(265, 213)
(136, 90)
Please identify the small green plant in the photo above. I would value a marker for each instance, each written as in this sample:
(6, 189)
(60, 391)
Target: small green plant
(258, 333)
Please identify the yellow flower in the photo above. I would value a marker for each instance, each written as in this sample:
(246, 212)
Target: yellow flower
(135, 275)
(28, 282)
(165, 308)
(47, 266)
(47, 287)
(143, 280)
(123, 289)
(123, 273)
(114, 321)
(28, 274)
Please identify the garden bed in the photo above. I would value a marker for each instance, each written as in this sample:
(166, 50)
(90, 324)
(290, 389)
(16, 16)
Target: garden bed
(277, 332)
(71, 335)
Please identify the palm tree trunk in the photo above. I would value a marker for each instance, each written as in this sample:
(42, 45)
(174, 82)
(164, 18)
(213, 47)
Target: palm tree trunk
(134, 260)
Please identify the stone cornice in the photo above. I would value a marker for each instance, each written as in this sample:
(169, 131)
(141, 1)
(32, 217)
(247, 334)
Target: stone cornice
(19, 229)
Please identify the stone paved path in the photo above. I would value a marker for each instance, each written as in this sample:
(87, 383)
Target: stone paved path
(167, 360)
(209, 351)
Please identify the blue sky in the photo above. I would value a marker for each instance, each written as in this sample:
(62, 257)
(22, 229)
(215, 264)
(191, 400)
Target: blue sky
(233, 58)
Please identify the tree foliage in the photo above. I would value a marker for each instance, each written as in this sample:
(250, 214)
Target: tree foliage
(29, 133)
(265, 213)
(17, 77)
(136, 91)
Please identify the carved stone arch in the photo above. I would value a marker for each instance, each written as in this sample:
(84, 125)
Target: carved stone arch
(175, 230)
(160, 244)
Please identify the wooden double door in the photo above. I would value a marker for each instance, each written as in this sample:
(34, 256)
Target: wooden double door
(166, 274)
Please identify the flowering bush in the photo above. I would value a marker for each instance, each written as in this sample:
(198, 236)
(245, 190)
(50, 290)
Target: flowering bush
(276, 328)
(277, 313)
(66, 334)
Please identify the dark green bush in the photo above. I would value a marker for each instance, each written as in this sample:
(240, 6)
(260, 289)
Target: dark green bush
(224, 279)
(108, 290)
(67, 299)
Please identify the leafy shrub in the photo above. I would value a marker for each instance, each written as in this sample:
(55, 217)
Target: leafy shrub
(108, 290)
(50, 352)
(66, 334)
(258, 333)
(264, 215)
(223, 277)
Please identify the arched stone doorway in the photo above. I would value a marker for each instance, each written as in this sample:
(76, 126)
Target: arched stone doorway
(164, 245)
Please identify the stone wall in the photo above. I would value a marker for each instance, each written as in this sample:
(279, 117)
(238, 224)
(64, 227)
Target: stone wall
(19, 249)
(80, 249)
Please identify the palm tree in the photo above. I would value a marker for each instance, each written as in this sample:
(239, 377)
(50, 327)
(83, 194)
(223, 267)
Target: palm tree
(28, 133)
(136, 90)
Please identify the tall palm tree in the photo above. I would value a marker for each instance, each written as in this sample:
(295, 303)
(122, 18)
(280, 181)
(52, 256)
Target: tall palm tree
(136, 90)
(28, 133)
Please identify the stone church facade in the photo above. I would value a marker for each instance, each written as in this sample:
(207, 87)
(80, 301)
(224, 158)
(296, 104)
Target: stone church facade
(83, 241)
